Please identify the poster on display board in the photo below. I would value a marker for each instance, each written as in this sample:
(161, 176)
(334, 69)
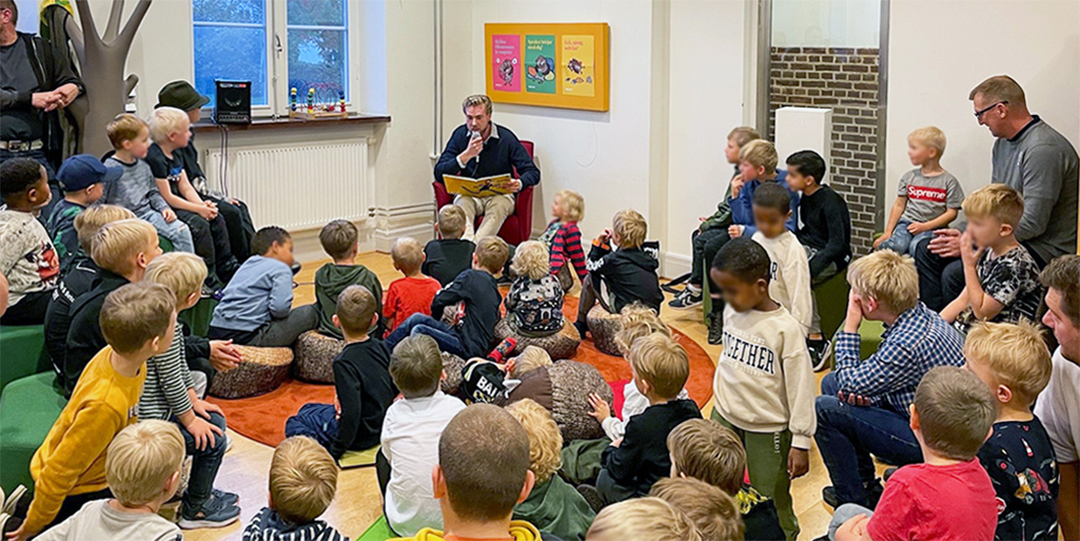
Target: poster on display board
(548, 64)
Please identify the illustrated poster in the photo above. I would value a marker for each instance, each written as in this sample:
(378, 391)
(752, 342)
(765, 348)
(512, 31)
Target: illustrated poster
(506, 49)
(578, 66)
(540, 65)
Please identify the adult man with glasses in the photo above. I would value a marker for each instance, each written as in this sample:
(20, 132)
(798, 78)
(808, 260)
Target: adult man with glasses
(1030, 157)
(34, 85)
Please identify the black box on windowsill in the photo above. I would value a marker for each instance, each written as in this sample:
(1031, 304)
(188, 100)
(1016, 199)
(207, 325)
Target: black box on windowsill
(233, 102)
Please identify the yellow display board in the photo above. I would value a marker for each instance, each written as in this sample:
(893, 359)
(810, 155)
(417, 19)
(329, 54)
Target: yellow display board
(549, 65)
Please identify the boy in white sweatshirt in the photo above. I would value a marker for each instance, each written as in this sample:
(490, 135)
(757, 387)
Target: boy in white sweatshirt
(790, 270)
(764, 385)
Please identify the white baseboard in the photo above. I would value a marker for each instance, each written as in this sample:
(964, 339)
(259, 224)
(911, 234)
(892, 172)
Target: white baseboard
(392, 223)
(673, 264)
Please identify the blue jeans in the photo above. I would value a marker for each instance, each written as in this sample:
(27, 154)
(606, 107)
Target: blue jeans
(204, 464)
(448, 340)
(177, 231)
(902, 241)
(843, 514)
(848, 435)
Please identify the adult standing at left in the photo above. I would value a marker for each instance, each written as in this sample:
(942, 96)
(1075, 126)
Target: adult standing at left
(1033, 159)
(480, 149)
(1058, 407)
(34, 85)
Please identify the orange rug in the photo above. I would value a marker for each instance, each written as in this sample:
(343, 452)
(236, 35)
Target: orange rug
(262, 418)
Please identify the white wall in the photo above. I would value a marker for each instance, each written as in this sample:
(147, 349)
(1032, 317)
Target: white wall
(706, 94)
(939, 51)
(826, 23)
(605, 156)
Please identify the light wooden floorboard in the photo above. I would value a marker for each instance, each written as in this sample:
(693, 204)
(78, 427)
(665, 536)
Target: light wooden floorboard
(358, 503)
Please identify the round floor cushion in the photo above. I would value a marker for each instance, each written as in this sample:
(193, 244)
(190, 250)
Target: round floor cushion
(261, 370)
(452, 365)
(603, 325)
(561, 345)
(571, 384)
(315, 357)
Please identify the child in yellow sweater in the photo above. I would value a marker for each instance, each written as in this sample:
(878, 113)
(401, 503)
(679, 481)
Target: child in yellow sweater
(69, 468)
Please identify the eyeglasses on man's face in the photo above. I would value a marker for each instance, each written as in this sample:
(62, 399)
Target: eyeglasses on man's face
(980, 113)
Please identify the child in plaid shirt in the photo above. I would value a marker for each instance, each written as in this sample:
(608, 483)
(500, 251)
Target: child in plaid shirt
(884, 287)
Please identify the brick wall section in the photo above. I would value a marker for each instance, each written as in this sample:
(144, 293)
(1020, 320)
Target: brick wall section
(846, 81)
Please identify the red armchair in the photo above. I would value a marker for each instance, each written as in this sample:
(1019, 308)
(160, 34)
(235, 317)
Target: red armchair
(518, 226)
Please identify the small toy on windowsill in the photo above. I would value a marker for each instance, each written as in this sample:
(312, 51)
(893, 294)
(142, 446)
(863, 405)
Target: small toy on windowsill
(320, 104)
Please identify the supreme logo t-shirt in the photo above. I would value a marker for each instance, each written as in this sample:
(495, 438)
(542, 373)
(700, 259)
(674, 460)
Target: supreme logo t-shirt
(929, 196)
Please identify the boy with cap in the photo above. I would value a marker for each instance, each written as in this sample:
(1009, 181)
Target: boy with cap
(181, 95)
(83, 178)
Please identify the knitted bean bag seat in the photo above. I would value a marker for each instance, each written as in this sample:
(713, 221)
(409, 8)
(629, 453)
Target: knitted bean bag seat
(571, 384)
(561, 345)
(452, 365)
(603, 325)
(315, 357)
(261, 370)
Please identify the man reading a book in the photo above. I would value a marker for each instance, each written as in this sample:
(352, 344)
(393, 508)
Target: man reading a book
(479, 149)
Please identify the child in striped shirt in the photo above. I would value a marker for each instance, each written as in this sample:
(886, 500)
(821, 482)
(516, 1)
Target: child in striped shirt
(563, 238)
(169, 395)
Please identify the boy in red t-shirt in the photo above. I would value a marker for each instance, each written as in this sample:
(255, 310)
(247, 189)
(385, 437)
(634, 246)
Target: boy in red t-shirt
(949, 496)
(414, 292)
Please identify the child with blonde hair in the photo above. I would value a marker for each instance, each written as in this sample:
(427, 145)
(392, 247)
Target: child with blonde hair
(1012, 360)
(169, 395)
(534, 303)
(303, 483)
(142, 469)
(884, 287)
(121, 250)
(929, 197)
(635, 321)
(412, 293)
(79, 279)
(553, 506)
(712, 511)
(340, 240)
(630, 466)
(69, 469)
(136, 190)
(708, 451)
(170, 129)
(1001, 279)
(563, 238)
(757, 165)
(628, 271)
(643, 518)
(447, 256)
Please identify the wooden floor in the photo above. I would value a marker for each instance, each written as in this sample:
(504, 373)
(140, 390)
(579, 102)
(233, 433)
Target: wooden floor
(358, 503)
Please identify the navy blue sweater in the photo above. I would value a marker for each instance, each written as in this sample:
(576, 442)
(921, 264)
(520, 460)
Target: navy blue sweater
(480, 293)
(501, 155)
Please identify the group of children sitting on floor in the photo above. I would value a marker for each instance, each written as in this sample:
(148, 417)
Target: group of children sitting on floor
(461, 464)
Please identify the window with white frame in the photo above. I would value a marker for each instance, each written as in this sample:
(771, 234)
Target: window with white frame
(278, 45)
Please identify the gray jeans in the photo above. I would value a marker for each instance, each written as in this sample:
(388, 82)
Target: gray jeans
(843, 514)
(283, 332)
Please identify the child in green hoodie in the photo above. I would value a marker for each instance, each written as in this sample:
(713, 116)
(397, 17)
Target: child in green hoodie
(340, 240)
(553, 506)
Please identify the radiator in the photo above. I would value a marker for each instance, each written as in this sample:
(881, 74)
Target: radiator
(296, 187)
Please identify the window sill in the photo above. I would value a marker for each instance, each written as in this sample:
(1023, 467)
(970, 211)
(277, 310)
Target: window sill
(206, 125)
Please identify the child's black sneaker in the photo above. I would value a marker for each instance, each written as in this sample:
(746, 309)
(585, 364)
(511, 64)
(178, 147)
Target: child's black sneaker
(582, 328)
(228, 497)
(215, 513)
(592, 497)
(716, 329)
(686, 299)
(820, 351)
